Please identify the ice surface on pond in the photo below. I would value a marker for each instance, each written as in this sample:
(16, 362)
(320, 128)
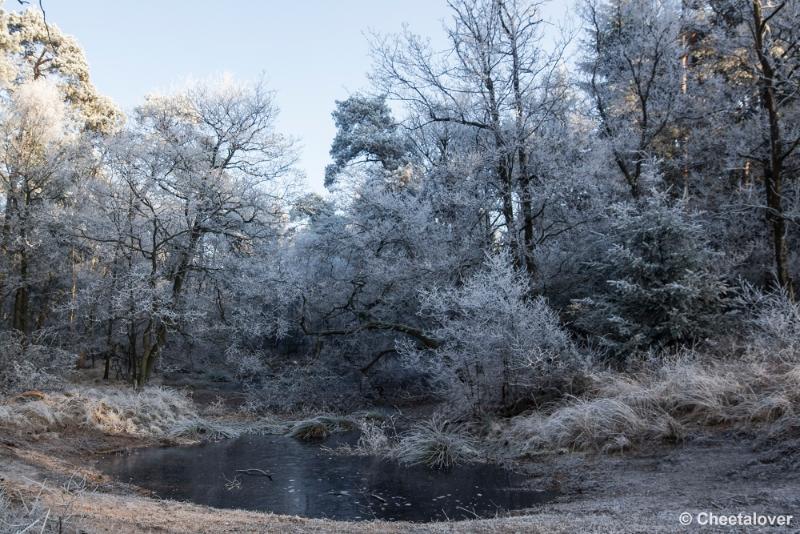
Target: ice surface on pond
(308, 480)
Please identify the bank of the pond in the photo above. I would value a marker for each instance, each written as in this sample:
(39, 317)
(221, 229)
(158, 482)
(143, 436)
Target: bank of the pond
(599, 493)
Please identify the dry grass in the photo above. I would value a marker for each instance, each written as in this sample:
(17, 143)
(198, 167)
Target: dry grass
(204, 429)
(757, 394)
(435, 443)
(151, 412)
(374, 439)
(607, 424)
(44, 508)
(320, 427)
(622, 411)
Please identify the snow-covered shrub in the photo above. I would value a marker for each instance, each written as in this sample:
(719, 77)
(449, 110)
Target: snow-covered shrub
(774, 324)
(304, 387)
(656, 284)
(26, 366)
(246, 365)
(373, 439)
(378, 438)
(47, 509)
(496, 340)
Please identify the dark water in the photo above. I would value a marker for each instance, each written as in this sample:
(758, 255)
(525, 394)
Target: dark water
(311, 482)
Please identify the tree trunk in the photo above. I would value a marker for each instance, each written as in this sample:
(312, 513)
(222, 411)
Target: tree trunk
(21, 297)
(151, 346)
(520, 141)
(773, 168)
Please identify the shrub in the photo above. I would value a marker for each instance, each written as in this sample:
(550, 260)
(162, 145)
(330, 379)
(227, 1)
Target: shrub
(26, 366)
(16, 519)
(5, 509)
(773, 322)
(373, 439)
(246, 365)
(279, 392)
(48, 509)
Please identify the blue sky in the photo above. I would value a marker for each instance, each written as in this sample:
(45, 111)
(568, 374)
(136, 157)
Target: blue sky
(312, 52)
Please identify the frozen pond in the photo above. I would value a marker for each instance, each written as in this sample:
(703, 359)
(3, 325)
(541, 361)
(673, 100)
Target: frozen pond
(308, 480)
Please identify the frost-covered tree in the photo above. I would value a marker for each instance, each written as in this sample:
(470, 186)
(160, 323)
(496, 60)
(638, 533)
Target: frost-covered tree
(656, 284)
(768, 40)
(494, 339)
(32, 49)
(366, 261)
(366, 133)
(40, 159)
(495, 83)
(49, 110)
(631, 61)
(199, 177)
